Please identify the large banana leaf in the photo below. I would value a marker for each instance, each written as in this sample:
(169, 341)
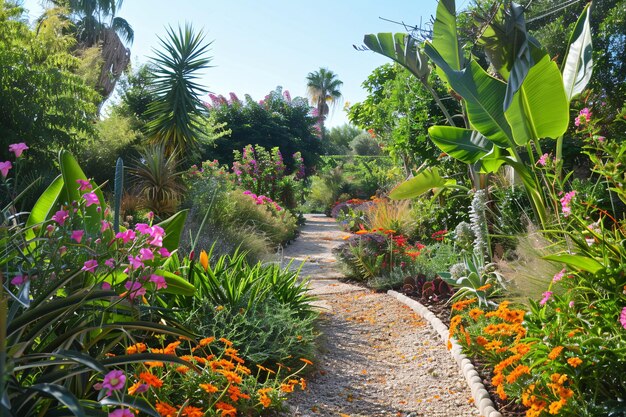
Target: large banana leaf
(445, 39)
(578, 65)
(45, 205)
(577, 261)
(403, 49)
(491, 162)
(540, 108)
(418, 185)
(483, 95)
(466, 145)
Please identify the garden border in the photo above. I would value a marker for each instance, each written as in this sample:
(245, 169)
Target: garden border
(480, 394)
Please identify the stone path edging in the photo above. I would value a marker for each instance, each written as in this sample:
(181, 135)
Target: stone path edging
(479, 392)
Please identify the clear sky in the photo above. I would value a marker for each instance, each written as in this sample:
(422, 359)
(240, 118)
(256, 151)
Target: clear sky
(258, 45)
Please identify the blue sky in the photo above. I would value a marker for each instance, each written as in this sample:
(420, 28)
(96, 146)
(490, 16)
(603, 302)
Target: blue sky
(258, 45)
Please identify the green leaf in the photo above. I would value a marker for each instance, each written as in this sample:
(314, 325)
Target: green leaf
(578, 65)
(466, 145)
(173, 227)
(403, 49)
(523, 59)
(445, 38)
(418, 185)
(577, 261)
(61, 394)
(176, 284)
(491, 162)
(72, 172)
(131, 402)
(540, 108)
(483, 95)
(45, 205)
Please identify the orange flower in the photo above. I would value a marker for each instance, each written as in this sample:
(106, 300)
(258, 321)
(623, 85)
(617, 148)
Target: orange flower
(460, 305)
(556, 406)
(133, 388)
(484, 287)
(232, 377)
(226, 409)
(165, 410)
(171, 348)
(286, 387)
(346, 237)
(265, 401)
(521, 349)
(242, 369)
(151, 379)
(206, 341)
(191, 411)
(226, 341)
(235, 394)
(182, 369)
(555, 352)
(204, 260)
(302, 384)
(136, 348)
(308, 362)
(517, 372)
(209, 388)
(574, 362)
(154, 364)
(481, 341)
(475, 313)
(361, 232)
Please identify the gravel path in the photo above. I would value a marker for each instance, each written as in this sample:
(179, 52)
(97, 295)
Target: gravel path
(377, 357)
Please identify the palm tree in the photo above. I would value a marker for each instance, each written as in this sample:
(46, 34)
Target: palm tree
(177, 117)
(323, 87)
(95, 24)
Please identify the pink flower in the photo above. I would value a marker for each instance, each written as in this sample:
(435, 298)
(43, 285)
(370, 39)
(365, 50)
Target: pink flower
(62, 250)
(135, 289)
(150, 216)
(559, 275)
(146, 254)
(571, 304)
(565, 200)
(121, 412)
(543, 160)
(622, 318)
(17, 148)
(583, 117)
(91, 198)
(5, 167)
(600, 139)
(106, 286)
(50, 228)
(126, 236)
(90, 266)
(159, 281)
(164, 252)
(110, 263)
(157, 236)
(546, 297)
(114, 381)
(61, 216)
(104, 225)
(77, 235)
(84, 185)
(19, 279)
(134, 262)
(143, 228)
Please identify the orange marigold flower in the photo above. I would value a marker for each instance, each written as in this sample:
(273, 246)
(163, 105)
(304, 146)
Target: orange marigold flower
(475, 313)
(449, 345)
(165, 410)
(361, 232)
(517, 372)
(501, 393)
(302, 384)
(151, 379)
(565, 393)
(235, 394)
(209, 388)
(154, 364)
(286, 387)
(574, 362)
(265, 401)
(137, 386)
(171, 348)
(226, 409)
(497, 379)
(521, 349)
(136, 348)
(484, 287)
(191, 411)
(308, 362)
(460, 305)
(554, 353)
(242, 369)
(182, 369)
(555, 407)
(481, 341)
(496, 344)
(226, 341)
(232, 377)
(206, 341)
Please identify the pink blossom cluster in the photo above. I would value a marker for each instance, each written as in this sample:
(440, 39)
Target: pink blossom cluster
(565, 201)
(261, 200)
(17, 149)
(584, 117)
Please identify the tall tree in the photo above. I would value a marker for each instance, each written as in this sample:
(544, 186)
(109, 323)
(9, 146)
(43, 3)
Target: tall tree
(95, 25)
(177, 115)
(323, 88)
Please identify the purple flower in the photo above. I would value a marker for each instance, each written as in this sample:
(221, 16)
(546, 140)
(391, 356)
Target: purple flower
(134, 262)
(61, 216)
(17, 149)
(106, 286)
(110, 263)
(114, 381)
(90, 266)
(622, 318)
(19, 279)
(83, 185)
(543, 160)
(571, 304)
(5, 167)
(135, 289)
(91, 198)
(143, 228)
(62, 250)
(546, 297)
(50, 228)
(126, 236)
(150, 216)
(121, 412)
(565, 200)
(146, 254)
(164, 252)
(77, 235)
(104, 225)
(157, 236)
(159, 281)
(559, 275)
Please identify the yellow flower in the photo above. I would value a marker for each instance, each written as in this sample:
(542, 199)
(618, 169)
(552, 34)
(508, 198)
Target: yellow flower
(204, 260)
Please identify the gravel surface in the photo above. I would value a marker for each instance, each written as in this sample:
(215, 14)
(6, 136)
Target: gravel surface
(377, 357)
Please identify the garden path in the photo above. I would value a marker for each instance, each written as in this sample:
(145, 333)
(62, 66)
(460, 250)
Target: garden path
(376, 356)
